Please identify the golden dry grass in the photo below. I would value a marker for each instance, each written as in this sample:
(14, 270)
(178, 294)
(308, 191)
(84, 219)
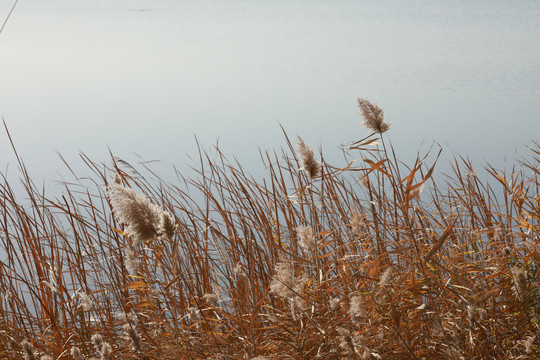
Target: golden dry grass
(366, 260)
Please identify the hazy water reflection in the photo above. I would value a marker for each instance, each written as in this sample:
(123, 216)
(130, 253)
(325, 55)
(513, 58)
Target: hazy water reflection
(146, 76)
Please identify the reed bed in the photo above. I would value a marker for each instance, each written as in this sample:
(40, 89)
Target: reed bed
(369, 259)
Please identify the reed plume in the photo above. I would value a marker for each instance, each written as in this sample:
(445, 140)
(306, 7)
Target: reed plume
(166, 226)
(103, 348)
(373, 116)
(129, 328)
(28, 351)
(383, 281)
(357, 310)
(136, 211)
(131, 260)
(284, 282)
(76, 353)
(307, 240)
(347, 343)
(519, 277)
(85, 301)
(528, 343)
(309, 164)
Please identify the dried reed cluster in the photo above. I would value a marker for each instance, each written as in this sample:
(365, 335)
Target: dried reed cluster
(227, 267)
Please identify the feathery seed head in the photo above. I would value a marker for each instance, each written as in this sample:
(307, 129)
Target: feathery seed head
(213, 297)
(103, 348)
(117, 179)
(347, 342)
(166, 226)
(131, 261)
(136, 211)
(358, 221)
(283, 281)
(133, 335)
(520, 282)
(309, 164)
(86, 303)
(334, 302)
(475, 314)
(495, 232)
(238, 269)
(385, 277)
(307, 242)
(193, 314)
(533, 249)
(373, 116)
(357, 311)
(125, 317)
(528, 343)
(76, 353)
(97, 340)
(106, 351)
(129, 328)
(28, 350)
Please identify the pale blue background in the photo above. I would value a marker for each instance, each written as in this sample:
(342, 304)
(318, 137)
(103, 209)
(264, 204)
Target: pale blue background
(145, 76)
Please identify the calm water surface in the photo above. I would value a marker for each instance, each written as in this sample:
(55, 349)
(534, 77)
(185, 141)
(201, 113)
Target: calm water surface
(145, 77)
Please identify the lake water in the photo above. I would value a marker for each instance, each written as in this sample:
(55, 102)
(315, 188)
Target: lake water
(145, 77)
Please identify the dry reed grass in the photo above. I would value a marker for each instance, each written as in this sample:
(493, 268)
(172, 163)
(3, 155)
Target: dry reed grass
(352, 262)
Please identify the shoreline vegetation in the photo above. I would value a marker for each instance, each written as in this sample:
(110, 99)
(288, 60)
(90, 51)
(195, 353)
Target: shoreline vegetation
(371, 259)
